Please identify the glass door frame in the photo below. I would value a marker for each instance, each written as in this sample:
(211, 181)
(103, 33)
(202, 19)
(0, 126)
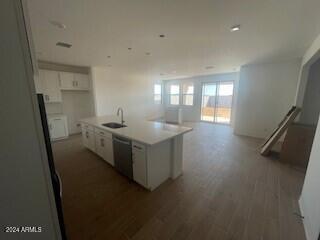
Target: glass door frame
(217, 83)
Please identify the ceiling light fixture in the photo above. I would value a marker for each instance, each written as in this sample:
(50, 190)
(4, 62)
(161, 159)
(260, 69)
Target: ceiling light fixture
(129, 48)
(162, 35)
(235, 28)
(63, 44)
(58, 24)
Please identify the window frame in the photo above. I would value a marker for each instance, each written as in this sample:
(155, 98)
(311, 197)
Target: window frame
(176, 94)
(155, 94)
(187, 94)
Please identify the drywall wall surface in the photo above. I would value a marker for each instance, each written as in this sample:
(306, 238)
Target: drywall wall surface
(265, 94)
(311, 102)
(25, 185)
(310, 197)
(76, 105)
(114, 88)
(192, 113)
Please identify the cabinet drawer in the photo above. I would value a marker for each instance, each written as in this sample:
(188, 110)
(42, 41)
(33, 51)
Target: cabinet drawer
(103, 133)
(86, 126)
(138, 147)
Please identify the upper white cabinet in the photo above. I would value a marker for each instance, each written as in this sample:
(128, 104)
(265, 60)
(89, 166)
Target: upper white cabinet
(74, 81)
(66, 80)
(50, 86)
(81, 81)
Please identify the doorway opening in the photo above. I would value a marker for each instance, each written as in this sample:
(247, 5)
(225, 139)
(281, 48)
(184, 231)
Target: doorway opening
(216, 104)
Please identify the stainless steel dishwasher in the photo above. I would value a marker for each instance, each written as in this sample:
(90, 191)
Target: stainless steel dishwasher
(122, 155)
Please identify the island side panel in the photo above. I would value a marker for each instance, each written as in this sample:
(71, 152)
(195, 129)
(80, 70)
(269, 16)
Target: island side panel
(176, 156)
(158, 163)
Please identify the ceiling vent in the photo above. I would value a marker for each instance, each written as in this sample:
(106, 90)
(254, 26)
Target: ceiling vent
(63, 44)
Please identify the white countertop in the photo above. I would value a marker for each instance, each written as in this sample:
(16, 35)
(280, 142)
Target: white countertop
(144, 131)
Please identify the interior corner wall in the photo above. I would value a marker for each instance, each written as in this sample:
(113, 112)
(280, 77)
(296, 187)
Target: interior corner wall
(310, 196)
(134, 93)
(192, 113)
(311, 102)
(265, 94)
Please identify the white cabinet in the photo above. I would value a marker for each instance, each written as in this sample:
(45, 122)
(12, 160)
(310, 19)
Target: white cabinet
(81, 81)
(139, 161)
(104, 146)
(66, 80)
(88, 137)
(74, 81)
(49, 81)
(58, 127)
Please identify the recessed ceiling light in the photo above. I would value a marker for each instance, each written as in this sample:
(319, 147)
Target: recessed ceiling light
(162, 35)
(63, 44)
(129, 48)
(235, 28)
(58, 24)
(209, 67)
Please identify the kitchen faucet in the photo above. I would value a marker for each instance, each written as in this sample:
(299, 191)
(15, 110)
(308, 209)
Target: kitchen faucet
(118, 112)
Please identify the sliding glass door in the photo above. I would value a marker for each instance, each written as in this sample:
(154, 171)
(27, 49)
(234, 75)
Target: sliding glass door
(216, 103)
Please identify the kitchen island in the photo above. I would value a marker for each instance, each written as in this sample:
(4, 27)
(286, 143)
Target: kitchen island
(152, 152)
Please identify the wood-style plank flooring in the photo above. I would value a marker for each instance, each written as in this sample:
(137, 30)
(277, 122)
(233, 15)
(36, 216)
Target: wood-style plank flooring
(227, 191)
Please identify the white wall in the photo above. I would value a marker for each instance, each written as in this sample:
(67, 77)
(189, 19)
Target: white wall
(25, 185)
(311, 102)
(310, 197)
(192, 113)
(115, 88)
(265, 94)
(76, 105)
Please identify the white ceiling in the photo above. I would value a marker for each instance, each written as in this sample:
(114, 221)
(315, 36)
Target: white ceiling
(197, 33)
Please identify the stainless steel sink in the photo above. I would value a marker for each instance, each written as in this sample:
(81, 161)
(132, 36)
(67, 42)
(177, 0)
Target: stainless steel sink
(113, 125)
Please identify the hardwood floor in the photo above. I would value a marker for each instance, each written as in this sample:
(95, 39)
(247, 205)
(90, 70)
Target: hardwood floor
(227, 191)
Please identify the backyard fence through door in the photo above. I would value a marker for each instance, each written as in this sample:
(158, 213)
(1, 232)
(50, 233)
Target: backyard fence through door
(216, 104)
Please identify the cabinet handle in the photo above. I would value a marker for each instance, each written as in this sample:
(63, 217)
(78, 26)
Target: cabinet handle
(77, 83)
(102, 142)
(87, 135)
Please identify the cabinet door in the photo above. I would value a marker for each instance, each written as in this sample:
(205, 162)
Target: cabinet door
(58, 128)
(67, 81)
(104, 148)
(88, 139)
(108, 154)
(50, 85)
(139, 164)
(81, 81)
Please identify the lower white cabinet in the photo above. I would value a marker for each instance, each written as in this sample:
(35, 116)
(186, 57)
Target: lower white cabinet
(104, 146)
(58, 127)
(88, 137)
(139, 163)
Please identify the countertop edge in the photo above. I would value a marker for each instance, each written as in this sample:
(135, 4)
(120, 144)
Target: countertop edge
(121, 135)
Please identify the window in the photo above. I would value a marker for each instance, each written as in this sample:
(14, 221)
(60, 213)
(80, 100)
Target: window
(157, 93)
(174, 94)
(187, 94)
